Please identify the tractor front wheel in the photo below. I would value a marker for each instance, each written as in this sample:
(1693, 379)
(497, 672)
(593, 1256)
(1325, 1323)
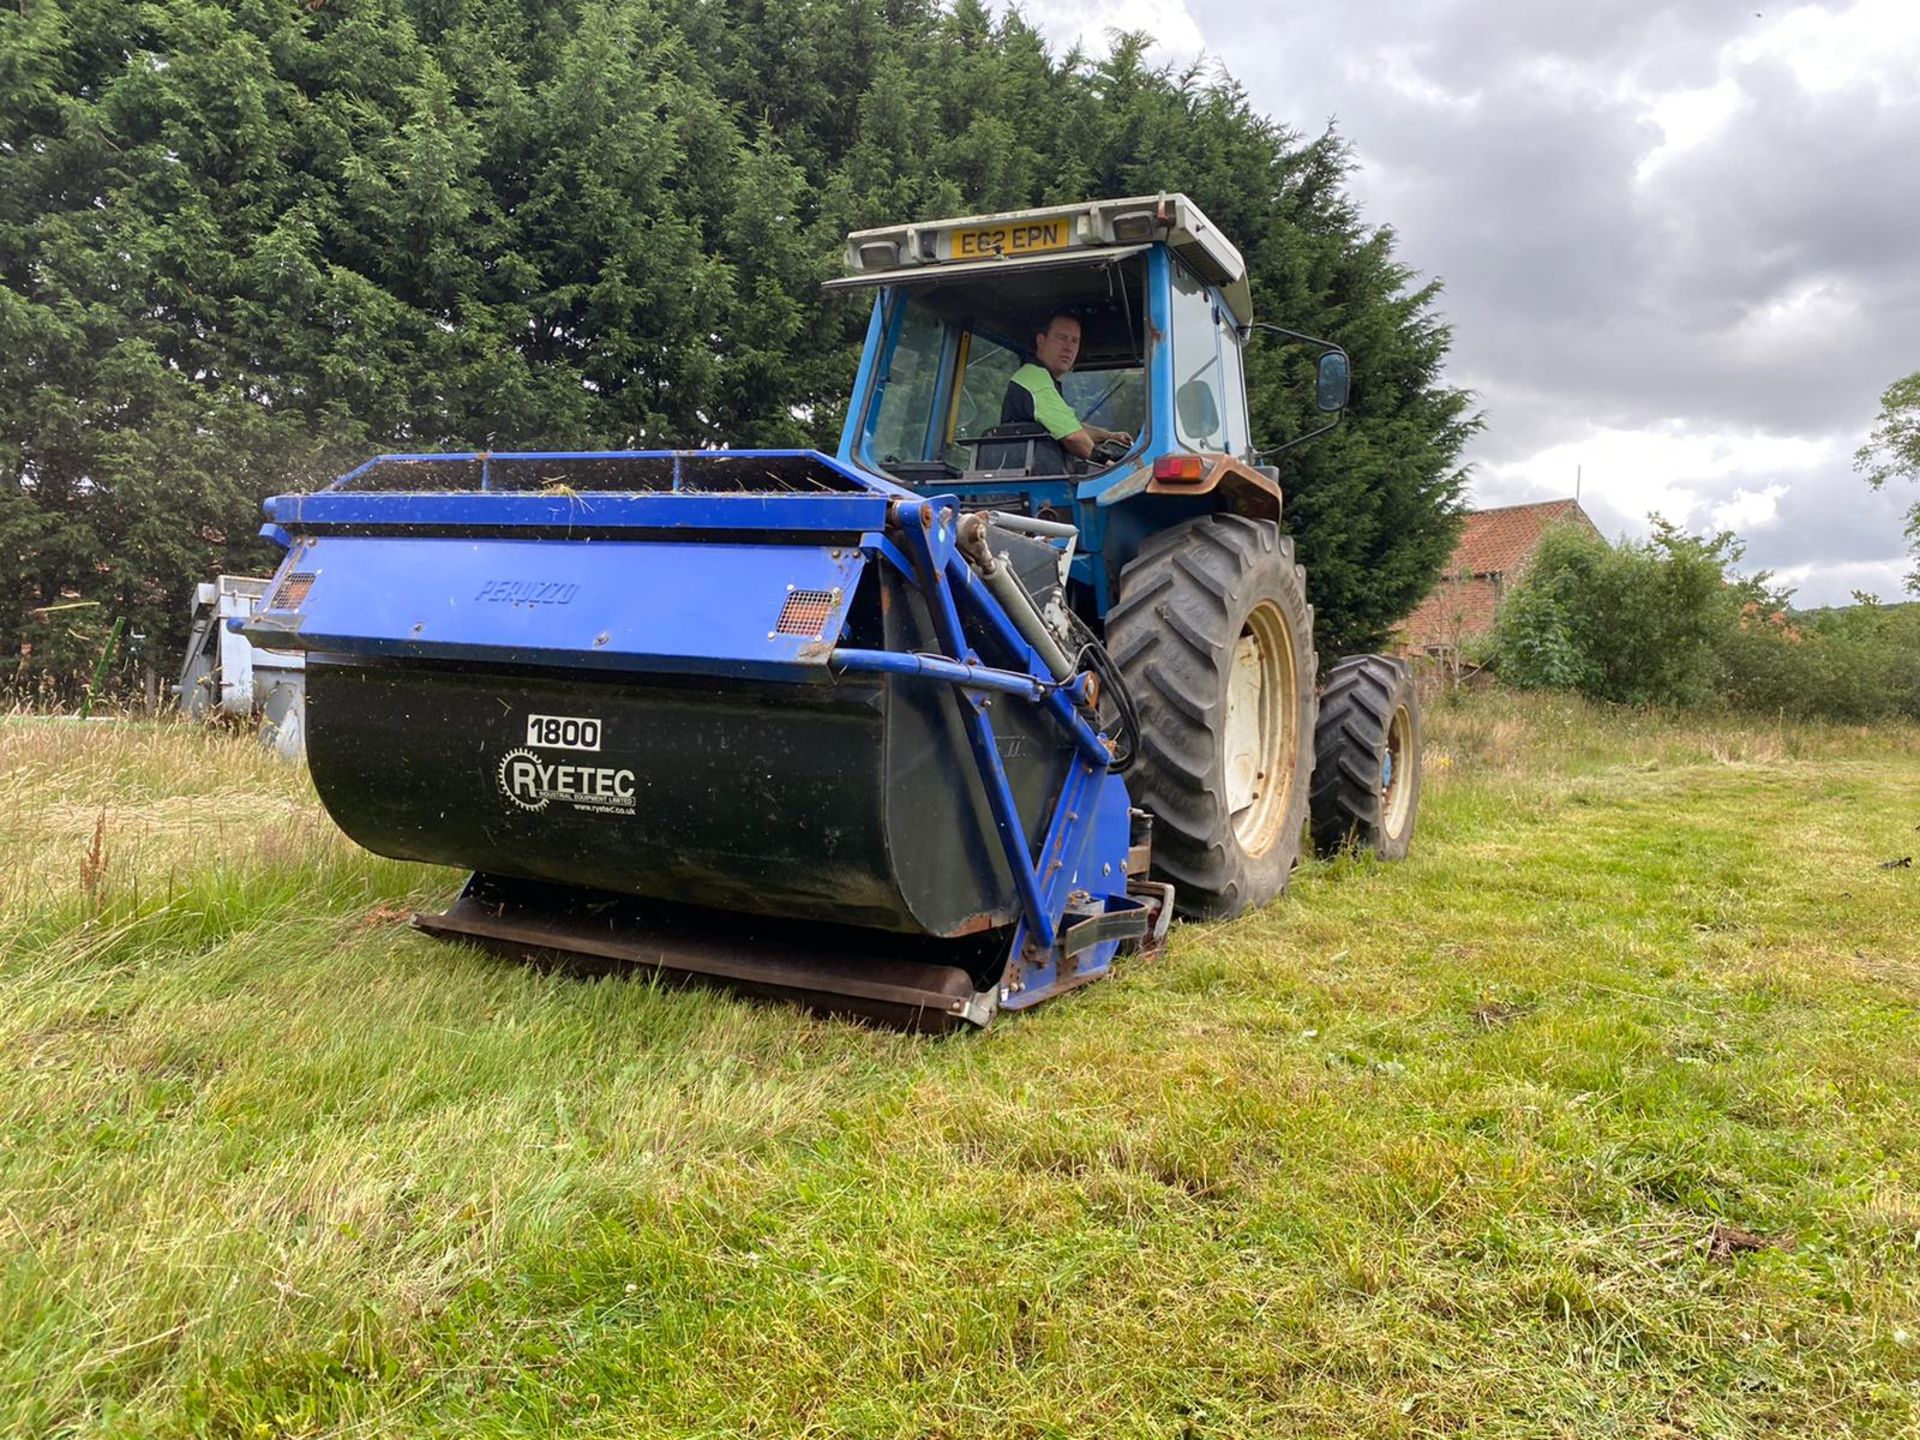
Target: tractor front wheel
(1366, 774)
(1212, 631)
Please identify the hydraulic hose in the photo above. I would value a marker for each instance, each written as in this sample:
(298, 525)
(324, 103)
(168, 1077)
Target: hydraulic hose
(1005, 587)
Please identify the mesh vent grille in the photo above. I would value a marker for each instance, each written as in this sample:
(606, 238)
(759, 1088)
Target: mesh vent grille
(291, 593)
(806, 612)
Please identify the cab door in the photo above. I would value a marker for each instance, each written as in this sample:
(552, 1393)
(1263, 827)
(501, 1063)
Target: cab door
(1209, 379)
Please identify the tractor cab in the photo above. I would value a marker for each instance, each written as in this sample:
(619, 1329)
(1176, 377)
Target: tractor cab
(1165, 311)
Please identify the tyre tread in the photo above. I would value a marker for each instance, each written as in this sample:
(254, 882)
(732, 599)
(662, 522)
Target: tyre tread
(1172, 630)
(1356, 713)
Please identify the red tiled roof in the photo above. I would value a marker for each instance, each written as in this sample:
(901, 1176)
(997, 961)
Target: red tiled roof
(1498, 542)
(1493, 549)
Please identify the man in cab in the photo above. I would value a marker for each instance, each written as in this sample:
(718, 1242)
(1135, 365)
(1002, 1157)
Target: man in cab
(1033, 394)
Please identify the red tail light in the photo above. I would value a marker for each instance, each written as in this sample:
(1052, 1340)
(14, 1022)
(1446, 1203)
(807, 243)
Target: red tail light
(1180, 469)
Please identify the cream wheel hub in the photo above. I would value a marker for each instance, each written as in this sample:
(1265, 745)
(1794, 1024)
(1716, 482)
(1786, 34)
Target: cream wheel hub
(1259, 733)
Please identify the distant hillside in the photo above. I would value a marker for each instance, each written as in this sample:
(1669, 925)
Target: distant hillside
(1906, 609)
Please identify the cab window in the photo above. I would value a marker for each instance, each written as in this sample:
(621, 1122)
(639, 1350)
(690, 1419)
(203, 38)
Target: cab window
(1115, 399)
(983, 385)
(1199, 408)
(955, 345)
(903, 411)
(1233, 385)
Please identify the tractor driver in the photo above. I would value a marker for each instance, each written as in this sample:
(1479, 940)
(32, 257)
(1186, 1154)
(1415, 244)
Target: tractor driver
(1033, 394)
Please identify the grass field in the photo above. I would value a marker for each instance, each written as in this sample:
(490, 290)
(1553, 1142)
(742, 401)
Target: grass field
(1601, 1116)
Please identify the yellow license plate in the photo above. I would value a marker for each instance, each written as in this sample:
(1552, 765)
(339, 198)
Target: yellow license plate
(1029, 238)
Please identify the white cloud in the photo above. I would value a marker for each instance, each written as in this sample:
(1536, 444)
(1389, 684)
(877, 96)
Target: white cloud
(1875, 41)
(1396, 69)
(1088, 24)
(1748, 510)
(1687, 120)
(1679, 473)
(1816, 585)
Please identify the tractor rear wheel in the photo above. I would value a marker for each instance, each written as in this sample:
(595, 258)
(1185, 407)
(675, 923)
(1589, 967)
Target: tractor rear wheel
(1212, 631)
(1366, 772)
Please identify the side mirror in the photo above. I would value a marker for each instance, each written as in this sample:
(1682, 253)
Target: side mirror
(1331, 383)
(1332, 376)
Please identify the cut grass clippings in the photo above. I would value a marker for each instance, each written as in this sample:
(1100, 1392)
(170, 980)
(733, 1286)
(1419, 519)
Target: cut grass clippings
(1595, 1118)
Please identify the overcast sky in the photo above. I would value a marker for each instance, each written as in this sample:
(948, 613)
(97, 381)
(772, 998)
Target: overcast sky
(1680, 241)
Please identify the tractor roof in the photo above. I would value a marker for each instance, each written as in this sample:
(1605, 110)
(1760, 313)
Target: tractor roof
(1055, 235)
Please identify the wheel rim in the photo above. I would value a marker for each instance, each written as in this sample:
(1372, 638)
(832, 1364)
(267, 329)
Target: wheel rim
(1396, 795)
(1262, 711)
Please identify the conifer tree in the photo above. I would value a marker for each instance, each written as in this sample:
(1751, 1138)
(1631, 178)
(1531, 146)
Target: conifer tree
(245, 245)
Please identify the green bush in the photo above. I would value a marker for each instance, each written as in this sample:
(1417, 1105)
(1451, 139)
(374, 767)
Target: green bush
(1859, 664)
(1638, 624)
(1669, 622)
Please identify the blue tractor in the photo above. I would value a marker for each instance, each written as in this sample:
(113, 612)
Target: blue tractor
(924, 730)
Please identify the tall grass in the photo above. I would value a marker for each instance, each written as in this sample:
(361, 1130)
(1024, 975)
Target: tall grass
(1594, 1118)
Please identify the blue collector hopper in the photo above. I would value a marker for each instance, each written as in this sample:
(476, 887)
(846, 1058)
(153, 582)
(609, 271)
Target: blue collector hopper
(750, 715)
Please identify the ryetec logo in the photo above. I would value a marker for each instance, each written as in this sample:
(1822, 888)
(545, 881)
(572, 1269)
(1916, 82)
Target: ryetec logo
(532, 783)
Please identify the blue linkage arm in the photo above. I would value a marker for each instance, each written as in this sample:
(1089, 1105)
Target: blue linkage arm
(929, 531)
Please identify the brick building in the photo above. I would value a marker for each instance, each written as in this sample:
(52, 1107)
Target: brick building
(1493, 552)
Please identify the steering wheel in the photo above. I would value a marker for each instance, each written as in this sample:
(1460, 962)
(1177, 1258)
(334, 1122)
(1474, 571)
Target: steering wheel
(1109, 452)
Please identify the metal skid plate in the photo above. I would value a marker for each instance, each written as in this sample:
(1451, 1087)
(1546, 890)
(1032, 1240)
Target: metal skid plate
(835, 969)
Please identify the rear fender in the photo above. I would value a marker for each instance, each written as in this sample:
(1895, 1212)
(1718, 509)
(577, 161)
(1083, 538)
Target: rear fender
(1226, 486)
(1237, 488)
